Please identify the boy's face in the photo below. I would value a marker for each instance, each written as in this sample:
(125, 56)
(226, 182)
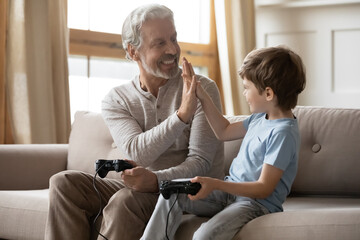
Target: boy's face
(257, 102)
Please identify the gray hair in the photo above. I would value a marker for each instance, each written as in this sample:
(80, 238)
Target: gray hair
(132, 24)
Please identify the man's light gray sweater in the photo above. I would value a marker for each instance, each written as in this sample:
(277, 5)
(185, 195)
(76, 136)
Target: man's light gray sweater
(148, 130)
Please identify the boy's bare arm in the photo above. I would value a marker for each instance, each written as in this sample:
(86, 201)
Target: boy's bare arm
(221, 126)
(223, 129)
(262, 188)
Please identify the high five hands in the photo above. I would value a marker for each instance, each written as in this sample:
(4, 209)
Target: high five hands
(191, 90)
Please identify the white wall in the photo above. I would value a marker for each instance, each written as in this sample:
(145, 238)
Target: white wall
(326, 34)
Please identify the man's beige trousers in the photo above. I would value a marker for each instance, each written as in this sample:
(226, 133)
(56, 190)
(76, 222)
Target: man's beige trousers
(74, 203)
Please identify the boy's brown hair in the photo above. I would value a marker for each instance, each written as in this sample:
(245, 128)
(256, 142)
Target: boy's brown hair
(278, 68)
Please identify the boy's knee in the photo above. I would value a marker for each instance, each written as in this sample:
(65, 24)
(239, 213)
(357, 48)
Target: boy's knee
(202, 233)
(208, 231)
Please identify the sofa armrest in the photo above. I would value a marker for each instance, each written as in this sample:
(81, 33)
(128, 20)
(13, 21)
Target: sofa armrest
(30, 166)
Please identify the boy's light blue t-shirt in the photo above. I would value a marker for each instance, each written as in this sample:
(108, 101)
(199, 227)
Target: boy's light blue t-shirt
(275, 142)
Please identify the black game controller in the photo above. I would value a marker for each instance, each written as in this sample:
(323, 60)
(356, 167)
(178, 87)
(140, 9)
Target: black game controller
(178, 186)
(102, 167)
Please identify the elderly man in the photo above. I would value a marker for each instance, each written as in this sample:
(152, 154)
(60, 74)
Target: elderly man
(148, 123)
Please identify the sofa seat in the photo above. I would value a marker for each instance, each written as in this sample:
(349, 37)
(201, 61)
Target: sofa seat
(28, 209)
(324, 215)
(303, 217)
(308, 218)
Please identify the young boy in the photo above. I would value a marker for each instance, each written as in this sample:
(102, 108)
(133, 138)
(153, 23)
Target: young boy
(262, 173)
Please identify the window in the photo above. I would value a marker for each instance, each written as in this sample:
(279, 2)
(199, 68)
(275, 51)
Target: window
(91, 79)
(97, 61)
(108, 16)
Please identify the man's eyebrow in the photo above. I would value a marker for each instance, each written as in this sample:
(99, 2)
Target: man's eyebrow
(156, 40)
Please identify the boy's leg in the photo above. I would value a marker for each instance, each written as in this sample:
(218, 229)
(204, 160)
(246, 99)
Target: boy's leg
(156, 227)
(229, 221)
(73, 201)
(159, 225)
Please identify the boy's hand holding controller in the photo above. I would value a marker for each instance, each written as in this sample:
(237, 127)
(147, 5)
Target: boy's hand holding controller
(207, 186)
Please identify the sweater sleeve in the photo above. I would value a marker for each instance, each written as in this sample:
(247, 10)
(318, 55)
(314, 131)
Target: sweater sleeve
(144, 147)
(203, 143)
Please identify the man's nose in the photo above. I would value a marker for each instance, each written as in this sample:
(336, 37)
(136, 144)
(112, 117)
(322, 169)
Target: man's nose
(171, 48)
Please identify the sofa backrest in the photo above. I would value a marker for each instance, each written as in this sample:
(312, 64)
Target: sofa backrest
(329, 161)
(90, 140)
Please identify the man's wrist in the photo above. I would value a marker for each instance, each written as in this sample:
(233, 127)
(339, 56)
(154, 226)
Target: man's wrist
(182, 116)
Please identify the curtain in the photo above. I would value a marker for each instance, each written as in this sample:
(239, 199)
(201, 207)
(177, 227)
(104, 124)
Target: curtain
(37, 71)
(235, 25)
(5, 128)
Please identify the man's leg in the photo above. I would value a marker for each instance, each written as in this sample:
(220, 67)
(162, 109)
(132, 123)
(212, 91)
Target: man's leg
(127, 213)
(229, 221)
(73, 201)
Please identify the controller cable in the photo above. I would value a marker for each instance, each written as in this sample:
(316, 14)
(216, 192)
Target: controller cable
(100, 208)
(167, 218)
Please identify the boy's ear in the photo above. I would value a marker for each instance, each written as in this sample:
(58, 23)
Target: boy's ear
(133, 53)
(269, 93)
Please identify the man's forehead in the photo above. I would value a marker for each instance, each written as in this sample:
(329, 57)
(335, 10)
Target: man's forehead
(157, 28)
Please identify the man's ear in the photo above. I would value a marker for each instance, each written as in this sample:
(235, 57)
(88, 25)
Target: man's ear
(133, 53)
(269, 93)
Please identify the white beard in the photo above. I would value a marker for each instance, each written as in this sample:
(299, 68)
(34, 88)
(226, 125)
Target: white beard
(157, 72)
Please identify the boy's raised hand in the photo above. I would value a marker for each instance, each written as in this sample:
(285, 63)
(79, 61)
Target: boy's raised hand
(200, 92)
(188, 102)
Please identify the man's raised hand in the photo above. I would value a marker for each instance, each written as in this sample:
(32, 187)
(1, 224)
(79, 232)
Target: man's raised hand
(189, 102)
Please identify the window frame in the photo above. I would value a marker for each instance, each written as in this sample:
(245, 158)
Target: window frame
(108, 45)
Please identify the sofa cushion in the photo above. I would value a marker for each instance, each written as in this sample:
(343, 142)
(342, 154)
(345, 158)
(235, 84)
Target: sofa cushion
(90, 140)
(329, 160)
(328, 224)
(23, 214)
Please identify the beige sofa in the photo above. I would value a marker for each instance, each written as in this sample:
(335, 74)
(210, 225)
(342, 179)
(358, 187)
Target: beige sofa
(324, 201)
